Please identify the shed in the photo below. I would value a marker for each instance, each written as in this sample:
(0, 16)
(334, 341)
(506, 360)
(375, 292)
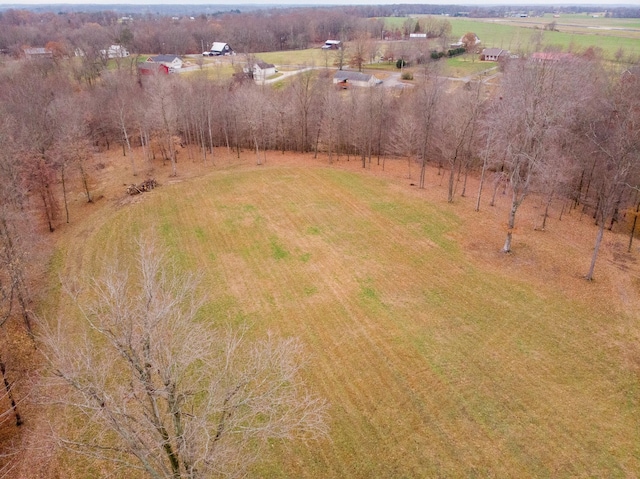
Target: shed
(345, 79)
(262, 70)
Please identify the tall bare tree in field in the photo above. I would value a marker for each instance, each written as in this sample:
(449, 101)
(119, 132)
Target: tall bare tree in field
(122, 99)
(302, 91)
(148, 386)
(536, 104)
(427, 104)
(161, 93)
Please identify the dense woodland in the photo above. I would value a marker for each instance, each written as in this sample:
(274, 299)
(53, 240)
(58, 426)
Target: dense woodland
(567, 132)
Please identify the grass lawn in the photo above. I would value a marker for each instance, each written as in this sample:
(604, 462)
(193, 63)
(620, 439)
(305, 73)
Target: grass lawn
(308, 57)
(440, 357)
(464, 65)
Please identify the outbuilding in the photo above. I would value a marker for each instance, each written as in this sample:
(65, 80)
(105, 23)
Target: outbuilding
(493, 54)
(262, 70)
(345, 79)
(219, 49)
(332, 45)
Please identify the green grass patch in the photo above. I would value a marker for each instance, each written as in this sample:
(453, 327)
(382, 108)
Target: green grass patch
(466, 65)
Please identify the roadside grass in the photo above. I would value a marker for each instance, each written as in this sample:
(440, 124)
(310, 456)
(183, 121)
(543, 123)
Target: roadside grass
(439, 357)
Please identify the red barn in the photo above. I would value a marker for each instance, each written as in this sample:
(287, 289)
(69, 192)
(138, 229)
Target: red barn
(150, 68)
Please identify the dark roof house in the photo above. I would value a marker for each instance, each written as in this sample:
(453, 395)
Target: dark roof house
(221, 48)
(493, 54)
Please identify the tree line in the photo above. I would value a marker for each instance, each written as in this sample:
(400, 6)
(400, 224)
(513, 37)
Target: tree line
(565, 131)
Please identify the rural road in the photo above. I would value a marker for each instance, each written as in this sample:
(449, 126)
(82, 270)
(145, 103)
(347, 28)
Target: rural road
(391, 81)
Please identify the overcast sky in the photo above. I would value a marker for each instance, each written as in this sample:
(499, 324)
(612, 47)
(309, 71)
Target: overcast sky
(325, 2)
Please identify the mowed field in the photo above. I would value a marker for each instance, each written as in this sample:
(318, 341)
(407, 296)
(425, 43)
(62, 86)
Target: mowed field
(439, 356)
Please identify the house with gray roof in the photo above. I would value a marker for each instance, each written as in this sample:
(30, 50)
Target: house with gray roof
(345, 79)
(171, 61)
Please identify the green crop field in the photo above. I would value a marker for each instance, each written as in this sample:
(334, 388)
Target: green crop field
(438, 359)
(576, 32)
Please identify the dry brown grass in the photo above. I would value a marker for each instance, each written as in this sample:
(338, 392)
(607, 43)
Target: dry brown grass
(441, 356)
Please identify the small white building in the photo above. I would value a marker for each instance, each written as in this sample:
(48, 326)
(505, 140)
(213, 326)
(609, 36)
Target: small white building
(262, 70)
(115, 51)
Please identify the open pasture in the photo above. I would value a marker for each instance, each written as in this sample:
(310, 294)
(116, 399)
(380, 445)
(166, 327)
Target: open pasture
(576, 32)
(440, 357)
(521, 35)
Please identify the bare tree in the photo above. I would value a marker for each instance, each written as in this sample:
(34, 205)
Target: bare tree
(458, 130)
(358, 50)
(535, 106)
(614, 133)
(427, 106)
(302, 91)
(152, 388)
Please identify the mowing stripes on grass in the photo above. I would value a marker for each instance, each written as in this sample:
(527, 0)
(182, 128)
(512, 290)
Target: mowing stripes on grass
(433, 365)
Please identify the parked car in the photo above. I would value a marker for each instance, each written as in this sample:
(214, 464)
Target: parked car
(210, 54)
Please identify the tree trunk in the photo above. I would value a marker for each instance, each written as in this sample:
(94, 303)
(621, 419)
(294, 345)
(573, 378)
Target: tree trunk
(633, 227)
(546, 212)
(596, 249)
(133, 160)
(511, 223)
(423, 170)
(482, 174)
(451, 182)
(8, 389)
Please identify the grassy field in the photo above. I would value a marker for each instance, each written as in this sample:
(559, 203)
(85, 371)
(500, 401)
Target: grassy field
(440, 356)
(308, 57)
(520, 35)
(576, 32)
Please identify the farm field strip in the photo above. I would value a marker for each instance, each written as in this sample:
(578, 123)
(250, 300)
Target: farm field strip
(449, 367)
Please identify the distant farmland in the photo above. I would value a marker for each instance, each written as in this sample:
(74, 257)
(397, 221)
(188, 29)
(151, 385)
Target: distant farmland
(577, 32)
